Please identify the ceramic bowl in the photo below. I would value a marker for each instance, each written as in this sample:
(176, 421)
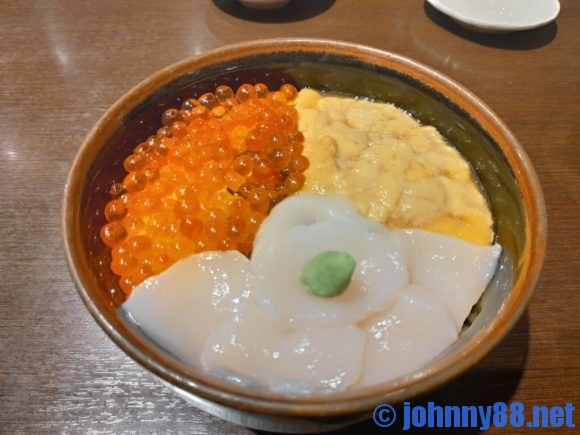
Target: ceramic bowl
(264, 4)
(505, 172)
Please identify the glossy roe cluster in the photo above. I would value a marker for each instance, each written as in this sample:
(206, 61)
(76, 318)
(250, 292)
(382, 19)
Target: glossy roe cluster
(205, 181)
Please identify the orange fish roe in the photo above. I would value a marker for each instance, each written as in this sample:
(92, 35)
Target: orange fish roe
(205, 181)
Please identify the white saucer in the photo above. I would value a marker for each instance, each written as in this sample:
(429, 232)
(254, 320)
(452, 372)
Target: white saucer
(499, 15)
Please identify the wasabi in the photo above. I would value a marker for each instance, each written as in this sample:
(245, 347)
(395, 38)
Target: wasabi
(328, 274)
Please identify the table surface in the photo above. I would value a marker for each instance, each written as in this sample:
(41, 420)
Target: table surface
(63, 63)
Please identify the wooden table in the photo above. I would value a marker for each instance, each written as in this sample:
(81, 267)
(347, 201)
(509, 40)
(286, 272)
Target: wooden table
(63, 63)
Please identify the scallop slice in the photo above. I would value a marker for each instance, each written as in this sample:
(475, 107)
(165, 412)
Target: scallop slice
(413, 332)
(304, 210)
(291, 362)
(455, 271)
(379, 273)
(179, 308)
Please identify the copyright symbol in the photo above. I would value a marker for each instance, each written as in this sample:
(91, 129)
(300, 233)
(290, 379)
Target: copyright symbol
(384, 415)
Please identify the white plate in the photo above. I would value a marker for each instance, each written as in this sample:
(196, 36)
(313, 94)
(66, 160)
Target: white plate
(499, 15)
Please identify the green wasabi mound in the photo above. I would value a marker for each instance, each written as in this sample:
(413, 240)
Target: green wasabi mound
(328, 274)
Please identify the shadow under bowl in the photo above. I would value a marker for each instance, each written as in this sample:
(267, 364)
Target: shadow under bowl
(500, 163)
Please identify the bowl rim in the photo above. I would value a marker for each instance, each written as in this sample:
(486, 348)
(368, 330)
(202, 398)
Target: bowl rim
(356, 401)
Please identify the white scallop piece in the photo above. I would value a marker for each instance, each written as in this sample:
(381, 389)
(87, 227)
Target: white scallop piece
(455, 271)
(404, 339)
(179, 308)
(278, 261)
(293, 362)
(308, 209)
(499, 15)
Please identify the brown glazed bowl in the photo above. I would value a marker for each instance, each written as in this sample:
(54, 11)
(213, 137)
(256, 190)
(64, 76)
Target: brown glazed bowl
(505, 172)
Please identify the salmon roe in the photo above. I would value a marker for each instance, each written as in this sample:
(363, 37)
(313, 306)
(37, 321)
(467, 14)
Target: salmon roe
(205, 181)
